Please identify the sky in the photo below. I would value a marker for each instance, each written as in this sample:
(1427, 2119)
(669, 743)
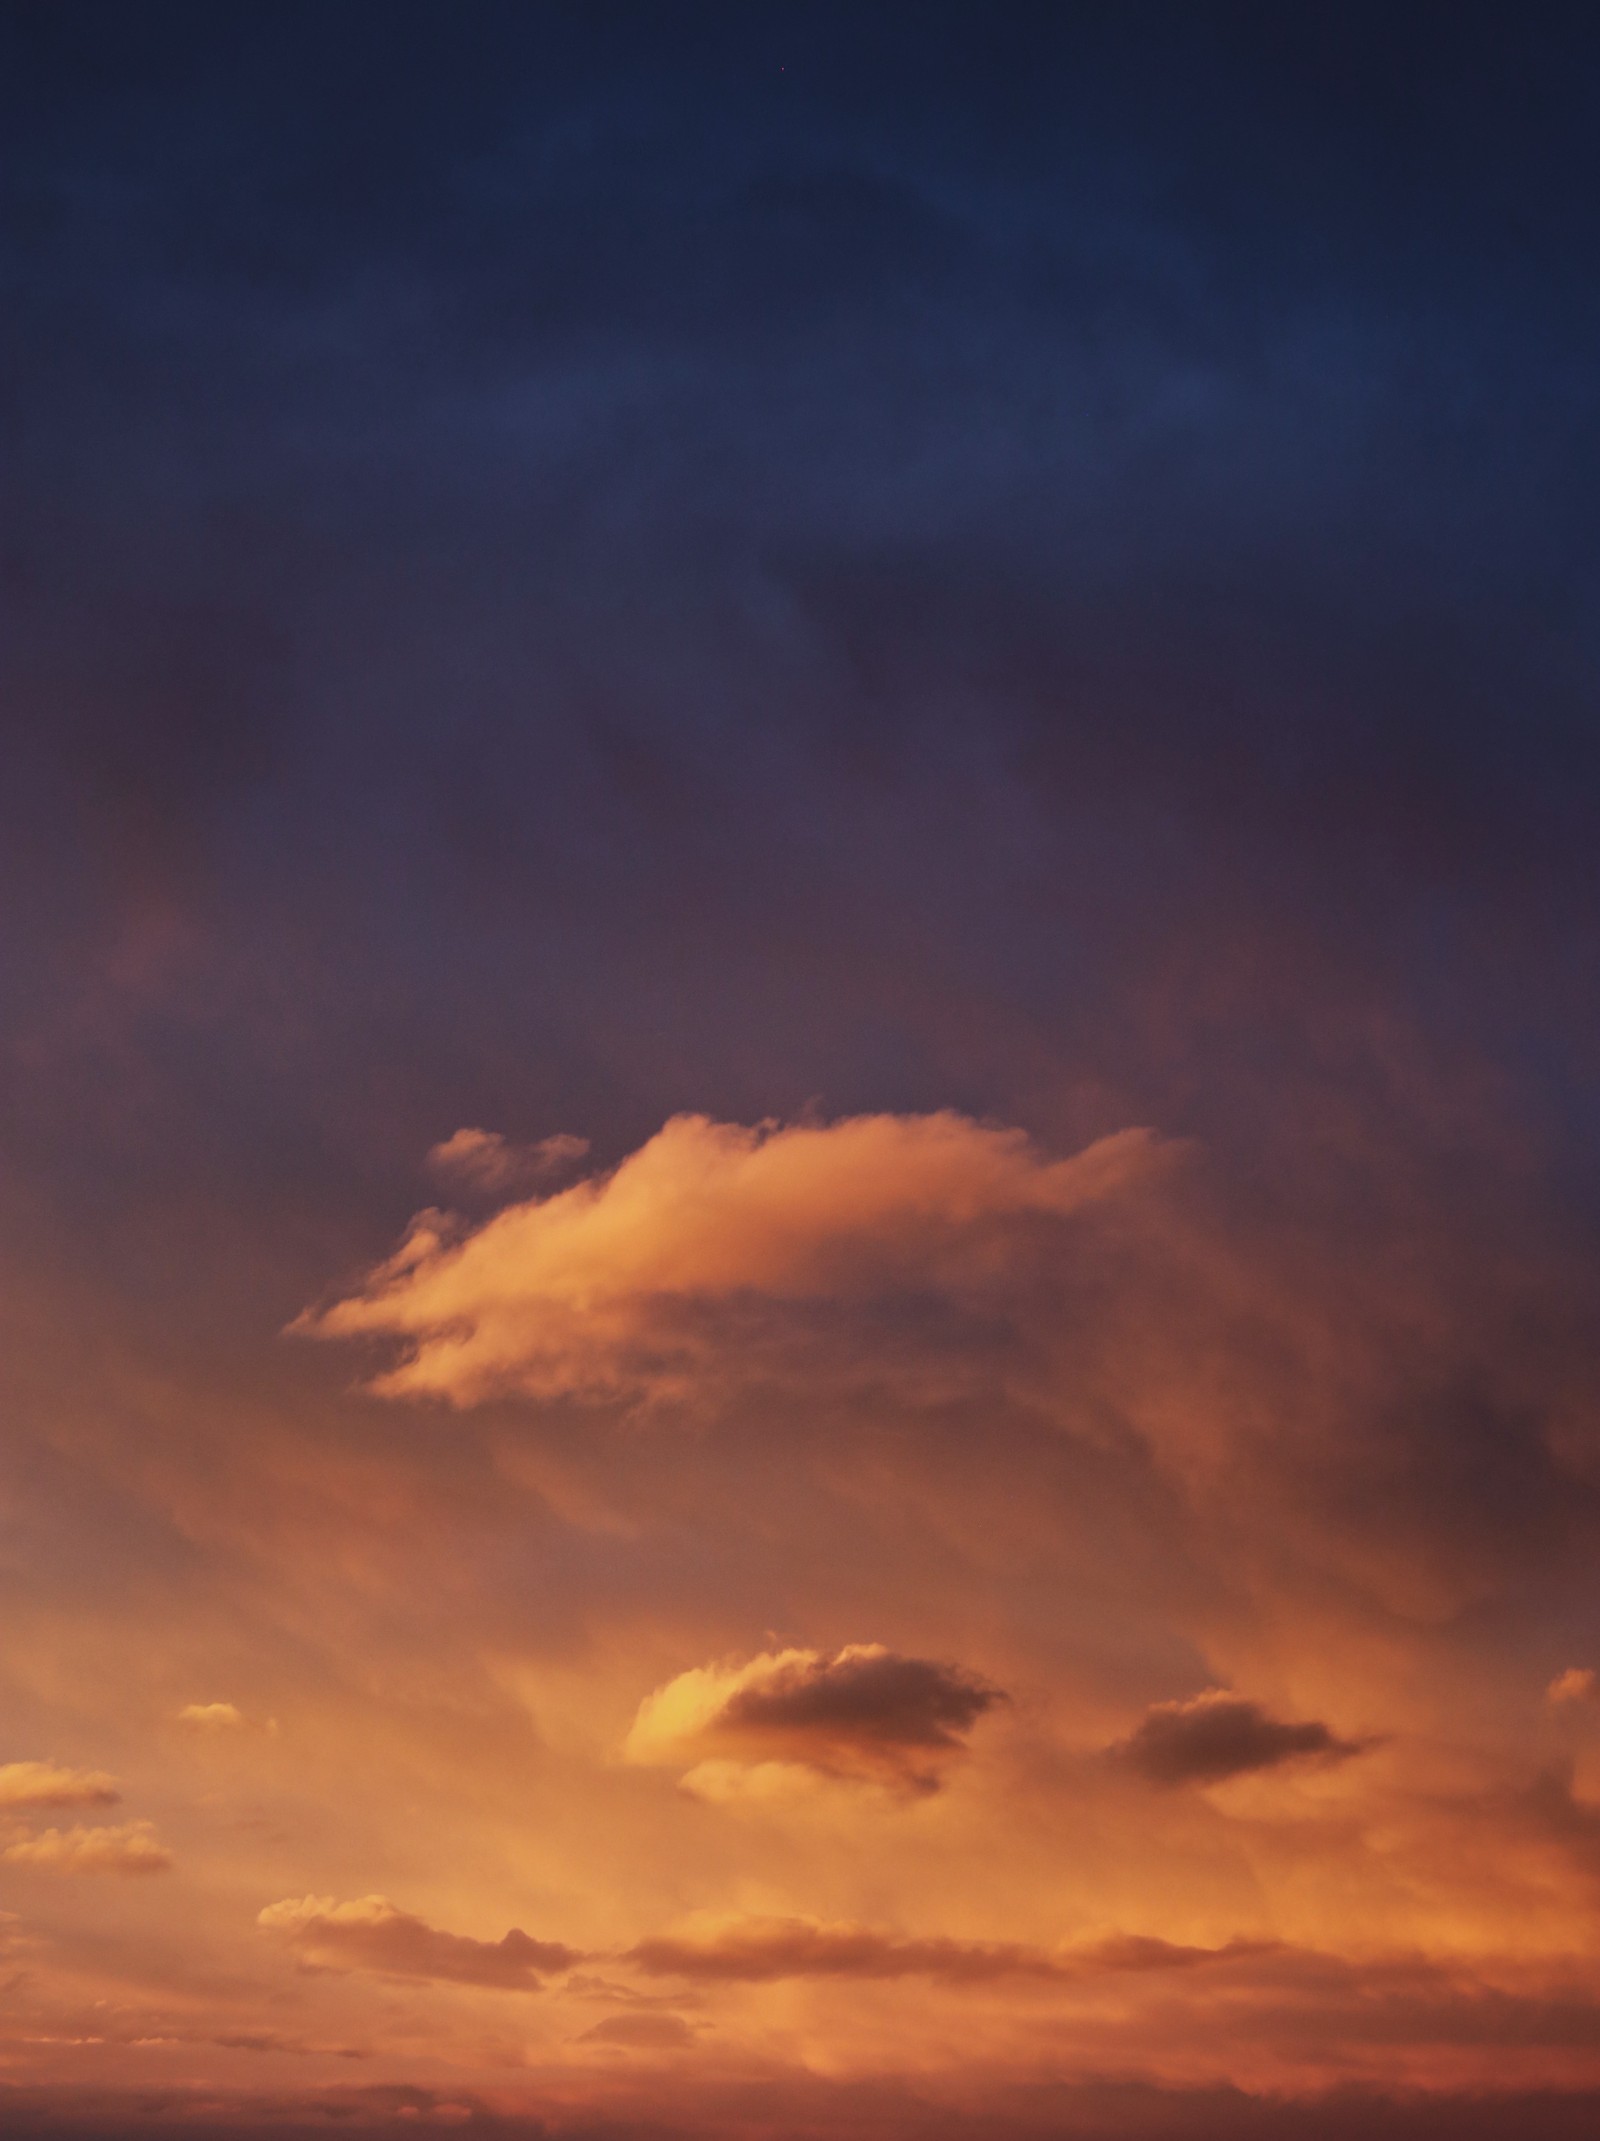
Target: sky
(799, 1162)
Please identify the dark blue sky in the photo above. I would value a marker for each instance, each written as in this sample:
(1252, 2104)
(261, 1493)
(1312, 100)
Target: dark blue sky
(564, 563)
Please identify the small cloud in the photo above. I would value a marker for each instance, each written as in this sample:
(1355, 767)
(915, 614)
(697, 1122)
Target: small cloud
(131, 1848)
(372, 1934)
(46, 1784)
(859, 1712)
(1217, 1735)
(483, 1160)
(211, 1716)
(1579, 1683)
(642, 2032)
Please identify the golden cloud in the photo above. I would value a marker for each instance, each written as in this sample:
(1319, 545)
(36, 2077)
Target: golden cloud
(130, 1848)
(211, 1716)
(46, 1784)
(585, 1291)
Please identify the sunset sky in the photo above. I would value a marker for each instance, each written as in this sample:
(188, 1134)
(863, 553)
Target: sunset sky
(799, 1047)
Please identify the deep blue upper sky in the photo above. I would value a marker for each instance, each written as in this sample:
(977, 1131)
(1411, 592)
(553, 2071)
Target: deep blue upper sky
(565, 563)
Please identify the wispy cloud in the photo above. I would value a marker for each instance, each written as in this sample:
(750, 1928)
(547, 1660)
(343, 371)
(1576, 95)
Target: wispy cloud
(373, 1934)
(486, 1161)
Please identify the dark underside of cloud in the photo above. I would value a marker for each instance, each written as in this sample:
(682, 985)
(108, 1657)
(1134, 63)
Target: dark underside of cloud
(872, 1699)
(1215, 1736)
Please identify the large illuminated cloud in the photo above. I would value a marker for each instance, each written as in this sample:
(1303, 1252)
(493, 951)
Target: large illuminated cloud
(603, 1289)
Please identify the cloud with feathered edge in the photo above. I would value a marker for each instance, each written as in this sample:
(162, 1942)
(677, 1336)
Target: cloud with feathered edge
(583, 1292)
(863, 1713)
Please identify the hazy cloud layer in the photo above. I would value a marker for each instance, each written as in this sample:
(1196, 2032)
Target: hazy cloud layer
(756, 1950)
(372, 1934)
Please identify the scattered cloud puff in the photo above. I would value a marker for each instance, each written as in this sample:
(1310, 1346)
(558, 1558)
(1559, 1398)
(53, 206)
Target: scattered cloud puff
(211, 1716)
(372, 1934)
(130, 1848)
(1217, 1735)
(754, 1950)
(586, 1291)
(1579, 1683)
(859, 1712)
(485, 1161)
(46, 1784)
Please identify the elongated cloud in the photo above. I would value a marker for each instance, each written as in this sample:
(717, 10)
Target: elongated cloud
(862, 1711)
(372, 1934)
(755, 1950)
(1218, 1735)
(576, 1292)
(130, 1848)
(47, 1784)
